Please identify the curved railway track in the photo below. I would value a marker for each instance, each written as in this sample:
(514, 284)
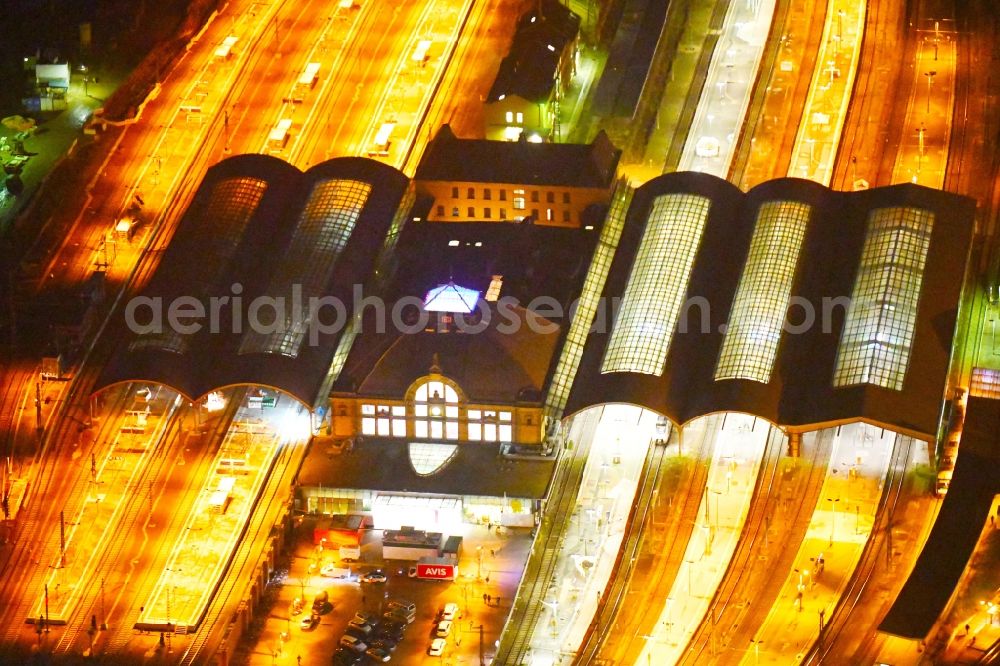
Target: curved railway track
(120, 532)
(662, 559)
(539, 570)
(863, 145)
(231, 588)
(54, 488)
(638, 521)
(785, 495)
(878, 546)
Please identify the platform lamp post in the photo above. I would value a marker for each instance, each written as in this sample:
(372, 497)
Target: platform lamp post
(756, 650)
(833, 517)
(930, 83)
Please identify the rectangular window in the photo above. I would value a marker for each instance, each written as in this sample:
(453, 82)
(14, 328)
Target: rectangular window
(503, 195)
(454, 193)
(565, 197)
(475, 432)
(758, 313)
(657, 285)
(487, 213)
(454, 211)
(534, 213)
(878, 328)
(506, 433)
(472, 211)
(566, 216)
(470, 193)
(368, 426)
(550, 197)
(534, 196)
(440, 210)
(518, 199)
(420, 429)
(520, 118)
(510, 116)
(549, 215)
(487, 194)
(503, 213)
(399, 427)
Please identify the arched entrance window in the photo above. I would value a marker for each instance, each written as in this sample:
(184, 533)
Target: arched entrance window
(435, 411)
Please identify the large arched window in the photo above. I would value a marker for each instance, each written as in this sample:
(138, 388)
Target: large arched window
(435, 411)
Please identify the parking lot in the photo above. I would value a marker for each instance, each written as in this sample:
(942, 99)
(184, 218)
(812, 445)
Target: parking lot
(490, 568)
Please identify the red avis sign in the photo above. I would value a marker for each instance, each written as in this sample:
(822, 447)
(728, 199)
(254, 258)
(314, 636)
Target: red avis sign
(442, 571)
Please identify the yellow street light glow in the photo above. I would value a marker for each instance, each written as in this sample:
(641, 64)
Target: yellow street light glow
(123, 225)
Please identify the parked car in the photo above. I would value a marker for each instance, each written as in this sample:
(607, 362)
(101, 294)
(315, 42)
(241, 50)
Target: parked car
(309, 622)
(346, 657)
(333, 571)
(407, 607)
(384, 643)
(365, 617)
(398, 616)
(353, 643)
(388, 633)
(375, 654)
(377, 576)
(321, 604)
(357, 633)
(443, 629)
(363, 627)
(437, 647)
(449, 611)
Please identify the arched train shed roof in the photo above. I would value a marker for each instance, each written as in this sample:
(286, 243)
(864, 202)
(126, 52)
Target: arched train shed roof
(261, 230)
(837, 243)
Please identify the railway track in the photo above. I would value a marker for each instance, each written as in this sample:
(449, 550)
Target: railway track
(684, 497)
(787, 497)
(231, 588)
(54, 488)
(122, 632)
(878, 543)
(638, 520)
(120, 533)
(540, 568)
(863, 143)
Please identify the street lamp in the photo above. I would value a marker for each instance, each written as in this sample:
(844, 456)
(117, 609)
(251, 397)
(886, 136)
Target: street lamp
(930, 82)
(833, 517)
(756, 642)
(479, 562)
(690, 564)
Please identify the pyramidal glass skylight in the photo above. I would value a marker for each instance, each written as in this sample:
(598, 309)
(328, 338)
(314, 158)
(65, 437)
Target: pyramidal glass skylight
(451, 298)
